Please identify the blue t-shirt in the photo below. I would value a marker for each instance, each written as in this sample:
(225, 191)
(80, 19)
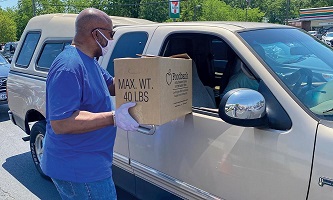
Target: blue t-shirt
(77, 82)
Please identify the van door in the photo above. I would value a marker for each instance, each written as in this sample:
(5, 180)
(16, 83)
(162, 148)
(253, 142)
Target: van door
(199, 156)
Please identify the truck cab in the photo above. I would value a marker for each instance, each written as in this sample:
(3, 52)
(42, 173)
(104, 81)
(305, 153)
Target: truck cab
(271, 142)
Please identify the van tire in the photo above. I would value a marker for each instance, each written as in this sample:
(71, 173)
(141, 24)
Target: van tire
(37, 135)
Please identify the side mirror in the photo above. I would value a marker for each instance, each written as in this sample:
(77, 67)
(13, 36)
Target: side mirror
(243, 107)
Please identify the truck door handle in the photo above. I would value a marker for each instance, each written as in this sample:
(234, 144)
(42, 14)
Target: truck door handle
(147, 129)
(325, 181)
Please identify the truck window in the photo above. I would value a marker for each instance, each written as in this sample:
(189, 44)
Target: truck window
(220, 56)
(210, 55)
(49, 52)
(128, 45)
(27, 49)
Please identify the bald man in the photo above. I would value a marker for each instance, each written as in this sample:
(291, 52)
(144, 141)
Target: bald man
(81, 123)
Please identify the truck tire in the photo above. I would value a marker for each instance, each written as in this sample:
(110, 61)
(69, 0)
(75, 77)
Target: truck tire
(36, 144)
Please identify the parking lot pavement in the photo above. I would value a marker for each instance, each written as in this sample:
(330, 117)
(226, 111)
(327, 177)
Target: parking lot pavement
(18, 177)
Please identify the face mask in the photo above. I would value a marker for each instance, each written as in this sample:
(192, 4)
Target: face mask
(107, 47)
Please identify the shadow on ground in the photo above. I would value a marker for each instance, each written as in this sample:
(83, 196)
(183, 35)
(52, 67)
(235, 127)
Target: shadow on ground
(22, 168)
(4, 112)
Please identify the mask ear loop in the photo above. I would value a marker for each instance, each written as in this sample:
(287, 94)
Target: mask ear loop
(107, 40)
(97, 40)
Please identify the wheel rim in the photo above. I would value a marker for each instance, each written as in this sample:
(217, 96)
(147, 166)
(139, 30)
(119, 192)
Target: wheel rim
(39, 146)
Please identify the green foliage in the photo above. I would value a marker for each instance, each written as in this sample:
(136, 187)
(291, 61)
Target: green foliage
(191, 10)
(24, 14)
(320, 3)
(48, 6)
(123, 8)
(215, 10)
(7, 26)
(74, 6)
(158, 10)
(277, 10)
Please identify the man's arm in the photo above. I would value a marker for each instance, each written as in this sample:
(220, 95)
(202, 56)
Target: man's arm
(82, 122)
(109, 81)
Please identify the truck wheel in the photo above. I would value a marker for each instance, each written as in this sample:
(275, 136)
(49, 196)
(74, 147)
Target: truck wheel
(36, 144)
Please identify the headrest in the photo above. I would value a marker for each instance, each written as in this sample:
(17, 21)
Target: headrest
(179, 46)
(238, 66)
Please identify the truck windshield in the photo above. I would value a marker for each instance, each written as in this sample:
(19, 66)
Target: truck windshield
(304, 65)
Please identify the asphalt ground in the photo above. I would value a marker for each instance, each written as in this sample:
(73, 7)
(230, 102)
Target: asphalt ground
(19, 178)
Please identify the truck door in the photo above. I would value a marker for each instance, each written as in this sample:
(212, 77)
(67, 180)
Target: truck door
(322, 176)
(126, 43)
(199, 156)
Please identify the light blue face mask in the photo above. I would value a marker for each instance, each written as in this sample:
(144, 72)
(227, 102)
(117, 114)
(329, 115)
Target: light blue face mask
(107, 47)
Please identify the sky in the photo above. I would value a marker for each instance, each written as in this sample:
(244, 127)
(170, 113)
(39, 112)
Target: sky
(8, 3)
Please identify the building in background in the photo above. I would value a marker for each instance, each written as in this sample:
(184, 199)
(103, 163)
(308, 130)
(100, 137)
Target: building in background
(320, 19)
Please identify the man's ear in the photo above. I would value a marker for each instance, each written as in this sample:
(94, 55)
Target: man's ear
(94, 34)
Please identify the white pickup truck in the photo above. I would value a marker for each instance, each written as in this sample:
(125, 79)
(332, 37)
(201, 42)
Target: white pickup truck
(272, 142)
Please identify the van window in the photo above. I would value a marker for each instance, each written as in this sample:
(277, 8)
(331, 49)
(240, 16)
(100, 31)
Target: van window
(128, 45)
(27, 49)
(49, 52)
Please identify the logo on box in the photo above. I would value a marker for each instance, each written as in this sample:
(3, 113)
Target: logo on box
(169, 77)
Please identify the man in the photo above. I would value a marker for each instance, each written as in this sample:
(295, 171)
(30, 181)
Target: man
(239, 79)
(80, 130)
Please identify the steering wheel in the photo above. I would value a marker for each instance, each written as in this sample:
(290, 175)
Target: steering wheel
(296, 79)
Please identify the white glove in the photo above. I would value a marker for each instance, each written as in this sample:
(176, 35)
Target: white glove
(123, 119)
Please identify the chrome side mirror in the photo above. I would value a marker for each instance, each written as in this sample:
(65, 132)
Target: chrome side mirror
(243, 107)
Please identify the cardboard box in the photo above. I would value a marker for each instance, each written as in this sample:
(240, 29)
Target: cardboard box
(161, 87)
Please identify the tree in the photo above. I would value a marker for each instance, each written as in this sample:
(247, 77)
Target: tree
(123, 8)
(48, 6)
(213, 10)
(7, 26)
(26, 10)
(75, 6)
(320, 3)
(191, 10)
(158, 12)
(24, 14)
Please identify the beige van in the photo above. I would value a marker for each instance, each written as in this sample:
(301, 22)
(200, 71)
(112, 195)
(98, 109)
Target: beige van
(261, 123)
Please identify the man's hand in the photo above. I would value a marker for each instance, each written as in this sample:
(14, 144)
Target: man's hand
(124, 120)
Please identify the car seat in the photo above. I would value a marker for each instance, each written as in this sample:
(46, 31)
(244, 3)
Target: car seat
(228, 70)
(178, 46)
(236, 68)
(202, 96)
(203, 58)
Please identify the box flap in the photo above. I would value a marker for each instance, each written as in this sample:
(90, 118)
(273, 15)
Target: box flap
(183, 55)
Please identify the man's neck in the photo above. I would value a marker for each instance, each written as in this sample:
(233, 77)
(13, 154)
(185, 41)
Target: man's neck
(83, 49)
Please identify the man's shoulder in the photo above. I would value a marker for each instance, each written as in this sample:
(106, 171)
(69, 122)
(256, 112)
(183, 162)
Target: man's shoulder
(69, 52)
(68, 59)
